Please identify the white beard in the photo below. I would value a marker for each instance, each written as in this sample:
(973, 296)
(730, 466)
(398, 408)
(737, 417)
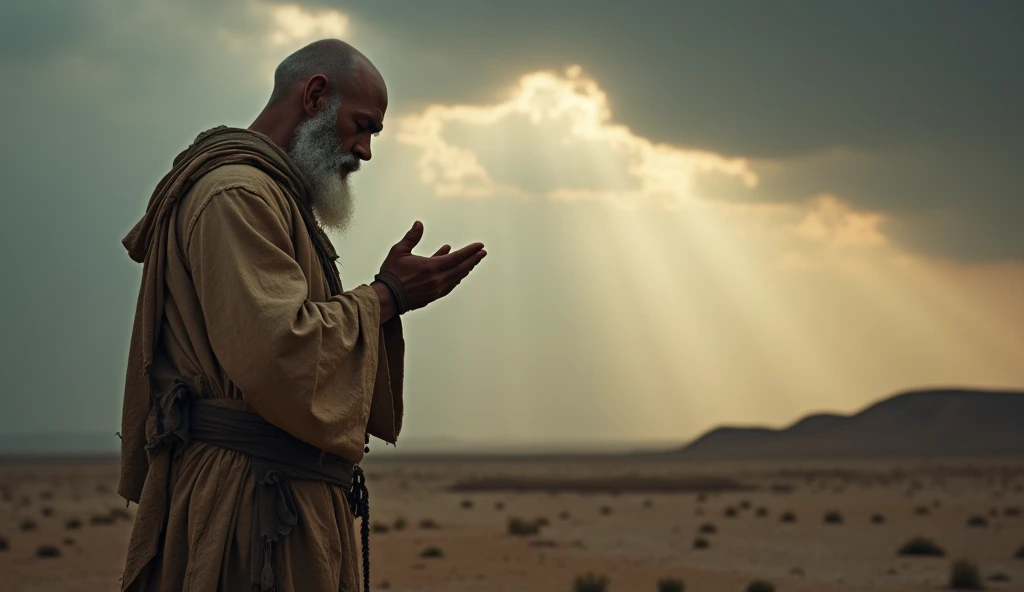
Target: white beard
(316, 150)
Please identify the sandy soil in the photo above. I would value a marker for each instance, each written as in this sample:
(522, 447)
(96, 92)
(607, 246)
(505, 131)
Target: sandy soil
(634, 538)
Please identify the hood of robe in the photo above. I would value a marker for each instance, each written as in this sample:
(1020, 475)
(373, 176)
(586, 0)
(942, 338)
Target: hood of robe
(147, 244)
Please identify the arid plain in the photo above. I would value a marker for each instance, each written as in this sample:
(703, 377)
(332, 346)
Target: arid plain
(443, 523)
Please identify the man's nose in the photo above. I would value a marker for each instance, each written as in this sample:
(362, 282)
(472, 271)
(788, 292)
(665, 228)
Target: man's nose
(362, 151)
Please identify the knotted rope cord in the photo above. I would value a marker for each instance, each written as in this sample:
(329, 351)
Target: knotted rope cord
(359, 499)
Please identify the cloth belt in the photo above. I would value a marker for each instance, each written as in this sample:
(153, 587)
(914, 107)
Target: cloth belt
(276, 457)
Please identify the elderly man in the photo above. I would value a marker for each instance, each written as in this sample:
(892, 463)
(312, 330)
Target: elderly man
(254, 380)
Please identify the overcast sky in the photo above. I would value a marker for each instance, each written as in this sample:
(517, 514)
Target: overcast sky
(711, 213)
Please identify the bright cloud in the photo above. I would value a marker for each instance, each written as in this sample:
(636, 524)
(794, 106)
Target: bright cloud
(295, 24)
(572, 113)
(829, 220)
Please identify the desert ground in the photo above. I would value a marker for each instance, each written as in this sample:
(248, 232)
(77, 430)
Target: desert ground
(633, 521)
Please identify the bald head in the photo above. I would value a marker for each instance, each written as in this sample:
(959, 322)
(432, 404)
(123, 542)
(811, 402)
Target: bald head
(332, 58)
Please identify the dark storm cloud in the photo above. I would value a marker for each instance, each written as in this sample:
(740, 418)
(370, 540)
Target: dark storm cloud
(928, 94)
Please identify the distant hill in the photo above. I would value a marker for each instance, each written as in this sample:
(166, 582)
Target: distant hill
(916, 424)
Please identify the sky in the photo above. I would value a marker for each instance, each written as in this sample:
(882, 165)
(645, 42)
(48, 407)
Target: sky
(702, 214)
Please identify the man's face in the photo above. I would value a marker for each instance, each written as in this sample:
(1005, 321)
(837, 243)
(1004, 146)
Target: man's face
(329, 146)
(361, 114)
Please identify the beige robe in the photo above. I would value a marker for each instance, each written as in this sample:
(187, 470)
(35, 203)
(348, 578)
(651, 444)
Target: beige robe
(248, 316)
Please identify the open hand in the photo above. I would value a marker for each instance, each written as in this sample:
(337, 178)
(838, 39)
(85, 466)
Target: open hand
(427, 279)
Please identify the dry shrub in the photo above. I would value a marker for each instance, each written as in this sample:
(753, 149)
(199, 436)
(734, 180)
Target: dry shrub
(708, 528)
(965, 575)
(701, 543)
(671, 585)
(977, 521)
(922, 547)
(788, 517)
(833, 517)
(520, 527)
(28, 524)
(73, 524)
(428, 524)
(590, 582)
(380, 528)
(399, 523)
(760, 586)
(47, 551)
(432, 552)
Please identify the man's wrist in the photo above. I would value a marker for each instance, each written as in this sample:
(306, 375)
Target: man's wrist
(387, 301)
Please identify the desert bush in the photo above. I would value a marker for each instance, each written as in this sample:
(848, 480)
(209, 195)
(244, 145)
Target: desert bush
(542, 521)
(998, 577)
(499, 505)
(977, 521)
(701, 543)
(922, 546)
(380, 528)
(73, 524)
(671, 585)
(745, 505)
(648, 504)
(702, 498)
(877, 519)
(466, 504)
(101, 519)
(590, 582)
(399, 523)
(965, 575)
(46, 495)
(4, 544)
(520, 527)
(563, 515)
(833, 518)
(432, 552)
(921, 510)
(46, 511)
(761, 512)
(1020, 553)
(730, 512)
(1012, 511)
(760, 586)
(67, 541)
(28, 524)
(47, 551)
(708, 528)
(428, 524)
(543, 543)
(606, 510)
(993, 512)
(788, 517)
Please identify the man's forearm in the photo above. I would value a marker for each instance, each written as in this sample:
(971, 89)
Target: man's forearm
(387, 301)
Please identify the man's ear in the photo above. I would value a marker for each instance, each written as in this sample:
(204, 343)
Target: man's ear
(314, 95)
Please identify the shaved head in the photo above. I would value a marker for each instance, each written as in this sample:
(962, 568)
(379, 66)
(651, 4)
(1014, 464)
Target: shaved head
(332, 58)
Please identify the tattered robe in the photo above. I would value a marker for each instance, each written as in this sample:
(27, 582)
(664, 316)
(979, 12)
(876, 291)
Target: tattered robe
(236, 302)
